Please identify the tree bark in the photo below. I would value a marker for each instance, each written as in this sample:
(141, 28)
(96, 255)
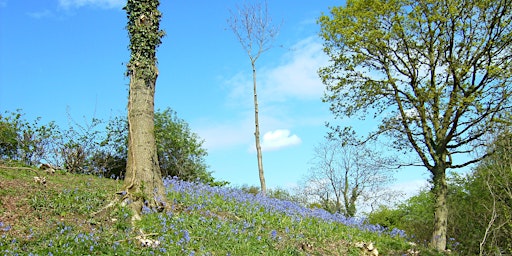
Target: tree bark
(257, 133)
(143, 182)
(440, 190)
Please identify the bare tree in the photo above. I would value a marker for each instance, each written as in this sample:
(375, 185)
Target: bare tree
(254, 30)
(343, 174)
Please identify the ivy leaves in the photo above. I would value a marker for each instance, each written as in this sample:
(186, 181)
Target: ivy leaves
(145, 36)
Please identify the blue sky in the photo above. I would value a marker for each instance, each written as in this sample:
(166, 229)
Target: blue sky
(67, 56)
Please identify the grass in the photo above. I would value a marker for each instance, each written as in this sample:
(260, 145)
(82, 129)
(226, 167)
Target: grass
(57, 219)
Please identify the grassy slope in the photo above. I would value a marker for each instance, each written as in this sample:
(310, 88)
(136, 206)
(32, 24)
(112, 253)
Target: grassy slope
(56, 219)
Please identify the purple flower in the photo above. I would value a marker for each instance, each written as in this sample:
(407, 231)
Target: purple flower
(186, 236)
(273, 234)
(298, 213)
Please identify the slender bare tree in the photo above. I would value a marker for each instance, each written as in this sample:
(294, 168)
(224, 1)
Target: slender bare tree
(254, 30)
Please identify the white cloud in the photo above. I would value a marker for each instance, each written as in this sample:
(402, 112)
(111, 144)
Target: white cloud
(222, 135)
(278, 139)
(297, 77)
(107, 4)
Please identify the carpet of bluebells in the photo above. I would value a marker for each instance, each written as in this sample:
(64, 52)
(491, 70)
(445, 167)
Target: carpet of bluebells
(205, 220)
(206, 194)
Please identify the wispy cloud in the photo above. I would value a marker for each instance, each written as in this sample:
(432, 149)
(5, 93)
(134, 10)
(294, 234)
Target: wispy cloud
(278, 139)
(40, 14)
(3, 3)
(295, 78)
(106, 4)
(222, 135)
(410, 188)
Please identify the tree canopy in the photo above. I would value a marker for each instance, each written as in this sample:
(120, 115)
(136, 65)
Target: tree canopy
(436, 74)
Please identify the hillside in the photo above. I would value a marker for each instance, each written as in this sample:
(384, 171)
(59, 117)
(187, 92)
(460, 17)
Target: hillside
(56, 218)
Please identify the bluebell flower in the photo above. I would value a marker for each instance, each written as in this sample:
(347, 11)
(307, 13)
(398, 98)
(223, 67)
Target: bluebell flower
(6, 228)
(186, 236)
(273, 234)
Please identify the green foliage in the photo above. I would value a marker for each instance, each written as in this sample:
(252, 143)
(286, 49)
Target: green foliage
(486, 192)
(250, 189)
(386, 217)
(437, 75)
(101, 149)
(8, 139)
(415, 217)
(419, 67)
(180, 151)
(110, 159)
(480, 220)
(27, 142)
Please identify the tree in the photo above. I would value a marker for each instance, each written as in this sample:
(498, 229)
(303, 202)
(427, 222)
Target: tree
(180, 151)
(110, 159)
(143, 181)
(435, 73)
(489, 188)
(29, 143)
(343, 174)
(80, 142)
(255, 32)
(414, 216)
(8, 138)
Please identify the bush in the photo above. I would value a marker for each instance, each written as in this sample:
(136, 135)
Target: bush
(28, 143)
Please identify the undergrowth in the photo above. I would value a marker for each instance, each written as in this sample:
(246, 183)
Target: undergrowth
(57, 219)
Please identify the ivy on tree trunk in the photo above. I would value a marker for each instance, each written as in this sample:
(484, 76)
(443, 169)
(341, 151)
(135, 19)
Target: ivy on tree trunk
(143, 181)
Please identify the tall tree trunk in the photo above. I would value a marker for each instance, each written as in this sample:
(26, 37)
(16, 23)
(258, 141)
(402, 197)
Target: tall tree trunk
(257, 133)
(143, 181)
(440, 208)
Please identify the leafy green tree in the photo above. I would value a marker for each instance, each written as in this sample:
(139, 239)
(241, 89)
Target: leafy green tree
(480, 221)
(143, 180)
(486, 193)
(29, 143)
(436, 74)
(8, 139)
(414, 216)
(180, 151)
